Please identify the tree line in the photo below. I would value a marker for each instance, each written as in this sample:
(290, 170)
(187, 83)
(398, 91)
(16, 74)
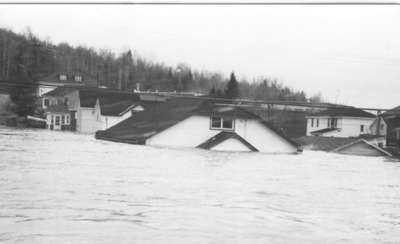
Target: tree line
(25, 57)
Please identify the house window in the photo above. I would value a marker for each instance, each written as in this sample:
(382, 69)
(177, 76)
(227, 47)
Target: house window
(216, 122)
(361, 128)
(63, 77)
(62, 119)
(57, 120)
(332, 123)
(221, 123)
(317, 122)
(52, 119)
(46, 102)
(65, 101)
(312, 122)
(78, 78)
(67, 120)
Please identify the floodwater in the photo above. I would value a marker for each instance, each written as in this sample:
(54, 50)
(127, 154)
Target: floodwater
(61, 187)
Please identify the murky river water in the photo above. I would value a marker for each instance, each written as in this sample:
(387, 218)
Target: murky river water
(60, 187)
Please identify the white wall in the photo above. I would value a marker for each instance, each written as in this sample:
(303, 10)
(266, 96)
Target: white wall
(231, 144)
(190, 132)
(262, 138)
(349, 126)
(109, 121)
(323, 123)
(87, 120)
(195, 130)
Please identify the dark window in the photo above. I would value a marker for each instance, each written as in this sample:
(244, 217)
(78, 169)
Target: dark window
(57, 120)
(216, 122)
(317, 122)
(361, 128)
(222, 123)
(65, 101)
(312, 122)
(46, 102)
(227, 124)
(333, 123)
(78, 78)
(62, 119)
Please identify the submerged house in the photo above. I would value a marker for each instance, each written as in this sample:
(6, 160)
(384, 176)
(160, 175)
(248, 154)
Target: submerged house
(339, 122)
(88, 109)
(388, 125)
(366, 146)
(190, 122)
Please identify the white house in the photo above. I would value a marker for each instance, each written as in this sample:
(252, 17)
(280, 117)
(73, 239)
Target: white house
(388, 125)
(188, 122)
(90, 109)
(340, 122)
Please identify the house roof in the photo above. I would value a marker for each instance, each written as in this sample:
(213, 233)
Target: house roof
(54, 78)
(147, 123)
(344, 112)
(324, 143)
(370, 145)
(393, 111)
(222, 136)
(151, 121)
(88, 97)
(322, 131)
(59, 92)
(59, 108)
(115, 108)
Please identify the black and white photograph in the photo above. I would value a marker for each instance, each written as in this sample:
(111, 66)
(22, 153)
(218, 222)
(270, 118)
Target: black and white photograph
(194, 121)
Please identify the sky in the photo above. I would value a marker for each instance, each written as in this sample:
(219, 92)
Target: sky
(351, 54)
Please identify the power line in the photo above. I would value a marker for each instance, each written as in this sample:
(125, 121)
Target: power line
(239, 3)
(235, 102)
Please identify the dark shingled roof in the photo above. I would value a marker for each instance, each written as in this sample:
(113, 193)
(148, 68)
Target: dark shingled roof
(322, 131)
(222, 136)
(324, 143)
(59, 92)
(393, 111)
(145, 124)
(345, 111)
(87, 80)
(60, 108)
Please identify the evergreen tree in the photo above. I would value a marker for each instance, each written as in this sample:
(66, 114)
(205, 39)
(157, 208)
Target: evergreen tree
(232, 88)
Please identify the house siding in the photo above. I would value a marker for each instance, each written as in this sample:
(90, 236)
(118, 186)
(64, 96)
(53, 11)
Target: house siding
(361, 149)
(195, 130)
(348, 126)
(231, 144)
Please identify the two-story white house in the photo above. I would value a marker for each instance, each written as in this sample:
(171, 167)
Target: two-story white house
(340, 122)
(87, 110)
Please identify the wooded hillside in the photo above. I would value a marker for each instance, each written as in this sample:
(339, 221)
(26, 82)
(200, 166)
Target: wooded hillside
(24, 56)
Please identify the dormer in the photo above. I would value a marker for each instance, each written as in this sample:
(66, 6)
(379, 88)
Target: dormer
(62, 77)
(78, 78)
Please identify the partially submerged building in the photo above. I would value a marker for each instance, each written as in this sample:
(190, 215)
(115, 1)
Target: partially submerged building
(388, 125)
(88, 109)
(190, 122)
(366, 146)
(339, 122)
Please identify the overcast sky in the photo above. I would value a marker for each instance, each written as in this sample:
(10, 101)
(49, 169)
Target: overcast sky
(349, 53)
